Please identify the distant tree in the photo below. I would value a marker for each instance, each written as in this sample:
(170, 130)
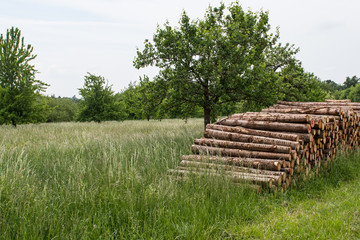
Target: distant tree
(354, 93)
(350, 82)
(130, 97)
(343, 91)
(152, 95)
(343, 94)
(298, 85)
(75, 99)
(215, 60)
(330, 86)
(20, 98)
(62, 109)
(98, 103)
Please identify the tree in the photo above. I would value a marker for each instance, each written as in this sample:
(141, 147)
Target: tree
(214, 61)
(20, 98)
(330, 86)
(350, 82)
(98, 102)
(354, 93)
(130, 97)
(62, 109)
(152, 95)
(298, 85)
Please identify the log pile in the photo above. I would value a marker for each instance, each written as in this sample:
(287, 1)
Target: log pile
(274, 147)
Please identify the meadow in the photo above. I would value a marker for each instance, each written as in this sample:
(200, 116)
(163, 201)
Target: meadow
(111, 181)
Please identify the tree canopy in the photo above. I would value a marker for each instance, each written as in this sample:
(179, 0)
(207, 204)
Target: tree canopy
(225, 57)
(20, 98)
(62, 109)
(351, 82)
(98, 103)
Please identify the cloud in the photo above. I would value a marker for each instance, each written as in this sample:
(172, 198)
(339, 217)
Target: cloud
(72, 37)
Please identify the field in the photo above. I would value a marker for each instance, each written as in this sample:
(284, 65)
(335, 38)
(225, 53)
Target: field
(110, 181)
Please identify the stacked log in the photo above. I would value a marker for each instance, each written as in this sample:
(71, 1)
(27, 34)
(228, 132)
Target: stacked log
(268, 148)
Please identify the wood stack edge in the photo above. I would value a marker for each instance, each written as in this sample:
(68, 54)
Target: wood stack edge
(274, 148)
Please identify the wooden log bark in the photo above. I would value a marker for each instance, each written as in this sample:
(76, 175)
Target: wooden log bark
(325, 118)
(306, 137)
(243, 140)
(197, 149)
(305, 109)
(289, 171)
(266, 164)
(273, 126)
(209, 133)
(241, 145)
(247, 131)
(265, 181)
(275, 178)
(330, 104)
(233, 168)
(337, 101)
(320, 111)
(259, 116)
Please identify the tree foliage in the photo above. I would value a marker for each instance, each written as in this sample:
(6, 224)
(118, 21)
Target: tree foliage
(152, 95)
(298, 85)
(347, 90)
(354, 93)
(99, 102)
(330, 86)
(130, 97)
(350, 82)
(62, 109)
(226, 57)
(20, 98)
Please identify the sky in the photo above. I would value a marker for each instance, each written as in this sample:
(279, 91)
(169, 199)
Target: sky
(74, 37)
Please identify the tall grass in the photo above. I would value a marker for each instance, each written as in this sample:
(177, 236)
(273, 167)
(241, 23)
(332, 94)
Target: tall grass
(110, 181)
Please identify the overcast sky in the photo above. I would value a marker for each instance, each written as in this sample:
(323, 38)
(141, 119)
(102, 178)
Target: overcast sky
(73, 37)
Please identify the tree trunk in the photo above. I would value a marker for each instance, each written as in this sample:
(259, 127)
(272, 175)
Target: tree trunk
(13, 122)
(242, 145)
(197, 149)
(328, 104)
(209, 133)
(207, 115)
(285, 136)
(207, 108)
(320, 111)
(338, 101)
(237, 177)
(272, 126)
(266, 164)
(233, 168)
(273, 117)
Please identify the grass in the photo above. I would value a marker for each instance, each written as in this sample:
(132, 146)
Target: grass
(110, 181)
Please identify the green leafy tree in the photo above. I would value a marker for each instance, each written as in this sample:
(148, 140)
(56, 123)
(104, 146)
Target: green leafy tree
(62, 109)
(353, 93)
(213, 61)
(152, 95)
(298, 85)
(20, 93)
(99, 102)
(343, 91)
(131, 99)
(330, 86)
(350, 82)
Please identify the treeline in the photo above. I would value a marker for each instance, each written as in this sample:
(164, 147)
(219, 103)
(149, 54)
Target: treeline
(350, 89)
(227, 62)
(138, 103)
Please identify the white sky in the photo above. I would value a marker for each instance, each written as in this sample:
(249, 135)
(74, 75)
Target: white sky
(73, 37)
